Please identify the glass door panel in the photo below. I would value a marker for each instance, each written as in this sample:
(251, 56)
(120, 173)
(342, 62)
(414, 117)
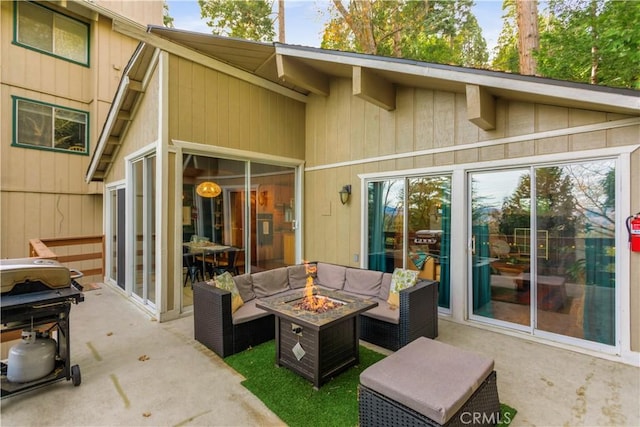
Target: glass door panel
(386, 224)
(428, 231)
(273, 222)
(144, 283)
(500, 204)
(575, 260)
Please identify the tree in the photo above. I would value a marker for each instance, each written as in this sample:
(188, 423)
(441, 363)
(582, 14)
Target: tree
(245, 19)
(167, 20)
(506, 51)
(438, 31)
(528, 37)
(594, 41)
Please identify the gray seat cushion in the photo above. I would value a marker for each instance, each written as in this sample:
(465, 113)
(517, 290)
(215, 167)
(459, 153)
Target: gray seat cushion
(430, 377)
(363, 282)
(270, 282)
(331, 276)
(298, 276)
(384, 311)
(245, 286)
(248, 312)
(385, 286)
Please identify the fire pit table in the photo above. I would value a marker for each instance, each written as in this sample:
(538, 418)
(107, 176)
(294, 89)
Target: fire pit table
(317, 345)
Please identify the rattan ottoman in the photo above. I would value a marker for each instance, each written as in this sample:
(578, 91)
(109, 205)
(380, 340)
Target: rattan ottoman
(429, 383)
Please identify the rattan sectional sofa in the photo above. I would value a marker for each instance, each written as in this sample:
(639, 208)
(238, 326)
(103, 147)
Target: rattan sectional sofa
(388, 326)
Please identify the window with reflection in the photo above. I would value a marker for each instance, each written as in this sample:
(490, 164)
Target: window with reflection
(544, 248)
(409, 226)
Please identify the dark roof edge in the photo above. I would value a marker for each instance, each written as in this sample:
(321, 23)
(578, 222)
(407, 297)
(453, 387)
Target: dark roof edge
(469, 70)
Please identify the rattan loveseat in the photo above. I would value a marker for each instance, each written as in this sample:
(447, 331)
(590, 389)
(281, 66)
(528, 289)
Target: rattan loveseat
(226, 332)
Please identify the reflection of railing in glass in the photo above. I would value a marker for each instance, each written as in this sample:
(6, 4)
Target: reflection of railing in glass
(522, 240)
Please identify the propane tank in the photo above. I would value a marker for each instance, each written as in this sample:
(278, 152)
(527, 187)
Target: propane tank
(31, 359)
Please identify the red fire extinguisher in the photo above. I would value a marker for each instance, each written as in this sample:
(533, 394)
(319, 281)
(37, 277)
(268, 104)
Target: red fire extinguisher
(633, 227)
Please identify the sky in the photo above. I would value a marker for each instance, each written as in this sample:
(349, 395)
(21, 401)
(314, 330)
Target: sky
(304, 19)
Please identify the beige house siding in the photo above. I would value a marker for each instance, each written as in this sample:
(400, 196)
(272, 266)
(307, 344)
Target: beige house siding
(44, 194)
(212, 108)
(145, 12)
(343, 128)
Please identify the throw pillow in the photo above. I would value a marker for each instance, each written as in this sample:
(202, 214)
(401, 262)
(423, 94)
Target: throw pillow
(225, 281)
(418, 258)
(401, 279)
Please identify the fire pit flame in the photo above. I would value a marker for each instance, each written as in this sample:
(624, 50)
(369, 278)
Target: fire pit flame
(311, 301)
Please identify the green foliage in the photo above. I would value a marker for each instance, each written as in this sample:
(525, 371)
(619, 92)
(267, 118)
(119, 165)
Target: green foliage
(436, 31)
(245, 19)
(167, 20)
(506, 51)
(590, 41)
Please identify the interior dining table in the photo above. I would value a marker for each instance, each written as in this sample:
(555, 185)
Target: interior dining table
(202, 250)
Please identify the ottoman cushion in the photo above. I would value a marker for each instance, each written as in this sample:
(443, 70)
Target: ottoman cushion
(430, 377)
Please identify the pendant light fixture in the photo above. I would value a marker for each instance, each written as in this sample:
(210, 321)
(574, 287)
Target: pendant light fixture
(208, 189)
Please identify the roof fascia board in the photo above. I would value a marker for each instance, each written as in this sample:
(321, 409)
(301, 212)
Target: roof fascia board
(134, 108)
(207, 61)
(598, 99)
(123, 87)
(106, 130)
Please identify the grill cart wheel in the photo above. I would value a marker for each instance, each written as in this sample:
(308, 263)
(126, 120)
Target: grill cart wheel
(75, 375)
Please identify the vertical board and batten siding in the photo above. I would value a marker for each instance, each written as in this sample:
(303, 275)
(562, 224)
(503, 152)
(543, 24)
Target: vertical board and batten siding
(44, 194)
(144, 12)
(212, 108)
(342, 128)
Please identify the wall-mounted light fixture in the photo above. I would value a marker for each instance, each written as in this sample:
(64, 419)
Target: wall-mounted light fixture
(263, 197)
(208, 189)
(344, 194)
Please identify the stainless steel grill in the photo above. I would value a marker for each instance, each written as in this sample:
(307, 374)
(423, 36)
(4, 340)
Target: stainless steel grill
(36, 297)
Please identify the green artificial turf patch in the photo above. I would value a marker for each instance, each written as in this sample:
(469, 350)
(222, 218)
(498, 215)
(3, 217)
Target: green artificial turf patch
(293, 398)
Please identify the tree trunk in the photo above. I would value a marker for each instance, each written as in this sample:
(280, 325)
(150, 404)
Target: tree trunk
(594, 43)
(281, 21)
(528, 36)
(358, 18)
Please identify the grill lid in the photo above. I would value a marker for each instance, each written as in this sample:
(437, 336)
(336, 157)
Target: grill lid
(18, 271)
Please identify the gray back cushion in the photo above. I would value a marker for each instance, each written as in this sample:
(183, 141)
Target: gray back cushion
(363, 282)
(270, 282)
(385, 286)
(298, 275)
(331, 276)
(245, 286)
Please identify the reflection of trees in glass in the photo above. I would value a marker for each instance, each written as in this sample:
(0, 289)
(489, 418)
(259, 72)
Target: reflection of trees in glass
(555, 202)
(594, 185)
(393, 205)
(426, 197)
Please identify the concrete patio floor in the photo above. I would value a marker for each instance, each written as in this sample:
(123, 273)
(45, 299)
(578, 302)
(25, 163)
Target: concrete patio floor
(137, 372)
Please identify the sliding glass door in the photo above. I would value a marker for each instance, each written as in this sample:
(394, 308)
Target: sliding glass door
(548, 266)
(248, 216)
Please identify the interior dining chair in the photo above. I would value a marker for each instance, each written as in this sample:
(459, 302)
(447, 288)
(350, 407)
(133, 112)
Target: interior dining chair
(230, 264)
(193, 268)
